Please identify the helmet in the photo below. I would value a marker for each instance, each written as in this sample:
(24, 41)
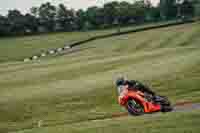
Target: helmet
(120, 81)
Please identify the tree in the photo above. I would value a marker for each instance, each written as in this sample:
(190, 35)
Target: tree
(65, 18)
(34, 11)
(16, 22)
(152, 13)
(31, 23)
(48, 18)
(196, 4)
(4, 26)
(140, 11)
(80, 19)
(155, 13)
(62, 17)
(111, 12)
(95, 16)
(47, 13)
(187, 9)
(125, 12)
(168, 9)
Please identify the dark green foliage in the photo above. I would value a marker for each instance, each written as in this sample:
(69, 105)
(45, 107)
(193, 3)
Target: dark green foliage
(95, 16)
(31, 23)
(168, 9)
(48, 18)
(80, 19)
(187, 9)
(16, 22)
(65, 18)
(47, 14)
(4, 26)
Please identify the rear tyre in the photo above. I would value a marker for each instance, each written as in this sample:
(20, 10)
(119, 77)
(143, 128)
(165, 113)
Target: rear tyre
(166, 108)
(162, 100)
(166, 105)
(135, 108)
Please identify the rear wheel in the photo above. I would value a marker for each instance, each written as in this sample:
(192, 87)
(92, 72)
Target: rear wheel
(165, 104)
(166, 108)
(134, 107)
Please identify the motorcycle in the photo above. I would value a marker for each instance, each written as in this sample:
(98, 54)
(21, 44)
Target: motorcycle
(139, 103)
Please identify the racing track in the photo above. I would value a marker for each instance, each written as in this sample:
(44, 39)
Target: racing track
(178, 107)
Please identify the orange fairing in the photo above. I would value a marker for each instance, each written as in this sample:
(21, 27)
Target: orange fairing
(138, 96)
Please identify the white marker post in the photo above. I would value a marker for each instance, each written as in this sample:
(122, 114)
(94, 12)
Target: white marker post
(35, 57)
(67, 47)
(43, 54)
(51, 52)
(26, 60)
(59, 49)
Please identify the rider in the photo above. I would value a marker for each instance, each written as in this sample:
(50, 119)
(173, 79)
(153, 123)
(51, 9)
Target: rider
(122, 83)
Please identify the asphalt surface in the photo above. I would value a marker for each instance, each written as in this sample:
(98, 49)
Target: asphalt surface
(179, 107)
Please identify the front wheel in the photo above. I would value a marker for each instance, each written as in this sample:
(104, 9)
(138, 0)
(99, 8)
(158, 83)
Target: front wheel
(134, 107)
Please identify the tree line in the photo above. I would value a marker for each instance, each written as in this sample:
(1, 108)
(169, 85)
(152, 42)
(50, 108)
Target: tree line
(50, 18)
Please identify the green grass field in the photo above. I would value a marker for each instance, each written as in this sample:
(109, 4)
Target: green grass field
(18, 48)
(66, 92)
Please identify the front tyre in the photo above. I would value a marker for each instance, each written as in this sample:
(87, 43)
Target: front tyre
(134, 107)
